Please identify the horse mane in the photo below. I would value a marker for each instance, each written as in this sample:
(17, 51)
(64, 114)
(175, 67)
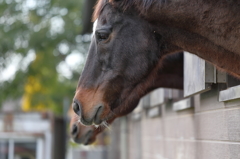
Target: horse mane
(141, 5)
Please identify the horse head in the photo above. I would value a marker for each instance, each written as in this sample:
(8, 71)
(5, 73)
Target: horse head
(170, 75)
(123, 59)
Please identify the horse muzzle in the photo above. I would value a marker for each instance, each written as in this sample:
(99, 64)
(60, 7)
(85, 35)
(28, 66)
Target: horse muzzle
(94, 115)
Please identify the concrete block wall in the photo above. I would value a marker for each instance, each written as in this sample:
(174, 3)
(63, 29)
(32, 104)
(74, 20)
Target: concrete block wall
(114, 150)
(135, 139)
(209, 130)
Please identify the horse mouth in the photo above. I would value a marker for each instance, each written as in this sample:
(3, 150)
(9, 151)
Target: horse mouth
(88, 138)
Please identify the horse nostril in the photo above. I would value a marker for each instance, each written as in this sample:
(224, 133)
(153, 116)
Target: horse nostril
(74, 130)
(76, 107)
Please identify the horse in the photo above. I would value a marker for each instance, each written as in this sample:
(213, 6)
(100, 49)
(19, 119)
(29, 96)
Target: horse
(131, 39)
(169, 75)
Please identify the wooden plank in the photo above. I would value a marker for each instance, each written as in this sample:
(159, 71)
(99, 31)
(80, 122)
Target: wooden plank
(146, 101)
(230, 94)
(153, 112)
(157, 97)
(195, 75)
(182, 104)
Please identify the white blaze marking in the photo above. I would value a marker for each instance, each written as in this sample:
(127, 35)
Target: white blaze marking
(95, 26)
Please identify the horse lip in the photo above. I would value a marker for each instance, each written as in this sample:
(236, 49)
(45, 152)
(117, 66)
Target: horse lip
(86, 140)
(79, 141)
(97, 119)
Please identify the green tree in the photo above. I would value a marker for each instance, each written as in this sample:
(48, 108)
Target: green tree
(38, 37)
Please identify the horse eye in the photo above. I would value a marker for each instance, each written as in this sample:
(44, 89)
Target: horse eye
(102, 36)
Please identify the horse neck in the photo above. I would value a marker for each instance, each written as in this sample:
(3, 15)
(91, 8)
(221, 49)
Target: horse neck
(201, 46)
(200, 30)
(170, 73)
(192, 15)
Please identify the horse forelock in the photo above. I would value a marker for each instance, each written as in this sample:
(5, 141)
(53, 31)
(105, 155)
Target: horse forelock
(98, 8)
(141, 5)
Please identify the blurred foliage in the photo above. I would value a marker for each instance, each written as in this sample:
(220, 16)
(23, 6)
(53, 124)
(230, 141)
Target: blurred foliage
(47, 32)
